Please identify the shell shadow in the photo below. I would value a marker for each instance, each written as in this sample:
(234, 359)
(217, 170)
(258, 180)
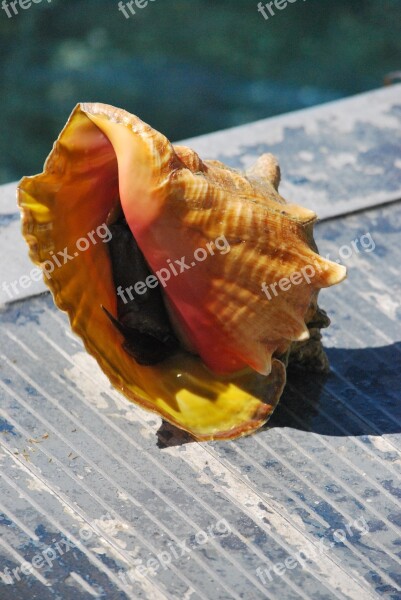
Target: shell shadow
(169, 435)
(358, 397)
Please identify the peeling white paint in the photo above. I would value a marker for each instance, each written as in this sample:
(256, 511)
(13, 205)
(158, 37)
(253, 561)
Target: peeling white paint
(112, 527)
(36, 485)
(150, 590)
(280, 521)
(341, 160)
(306, 156)
(388, 304)
(85, 385)
(383, 445)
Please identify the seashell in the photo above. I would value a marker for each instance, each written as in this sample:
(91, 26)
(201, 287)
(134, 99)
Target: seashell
(225, 374)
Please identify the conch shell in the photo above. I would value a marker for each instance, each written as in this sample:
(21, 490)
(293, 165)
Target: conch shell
(229, 372)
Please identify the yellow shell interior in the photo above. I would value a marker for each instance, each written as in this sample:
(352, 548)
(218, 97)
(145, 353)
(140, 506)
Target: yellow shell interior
(73, 197)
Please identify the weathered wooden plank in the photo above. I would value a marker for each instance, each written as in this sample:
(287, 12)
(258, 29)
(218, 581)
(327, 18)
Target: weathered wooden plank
(307, 508)
(336, 158)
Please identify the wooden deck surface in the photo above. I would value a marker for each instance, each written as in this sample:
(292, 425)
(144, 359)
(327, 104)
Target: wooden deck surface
(93, 488)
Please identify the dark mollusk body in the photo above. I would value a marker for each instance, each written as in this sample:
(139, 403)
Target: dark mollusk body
(141, 316)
